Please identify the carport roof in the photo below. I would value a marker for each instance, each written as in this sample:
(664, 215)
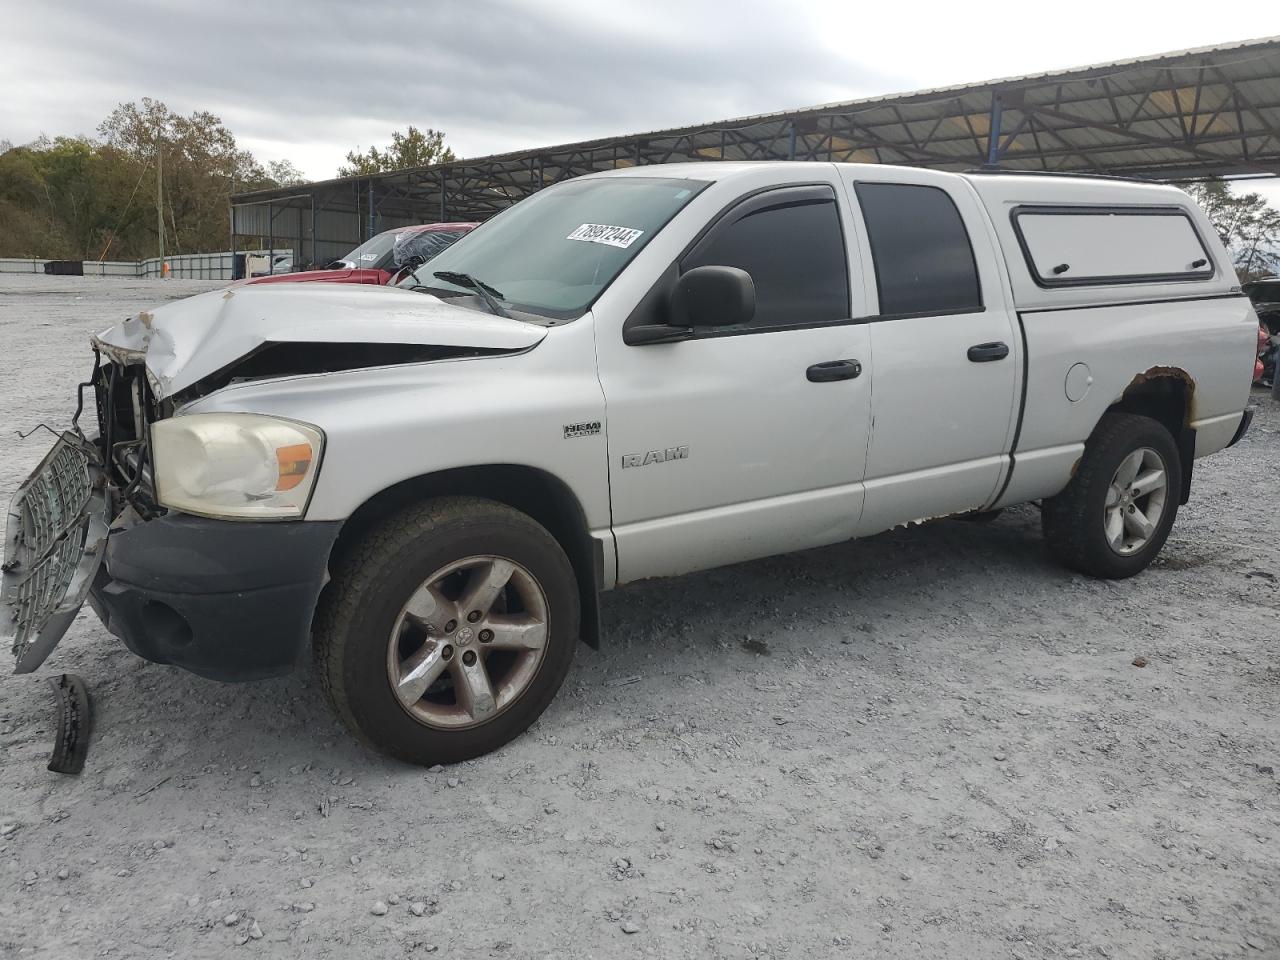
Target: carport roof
(1212, 111)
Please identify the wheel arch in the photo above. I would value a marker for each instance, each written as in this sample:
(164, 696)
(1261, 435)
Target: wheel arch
(1166, 395)
(534, 492)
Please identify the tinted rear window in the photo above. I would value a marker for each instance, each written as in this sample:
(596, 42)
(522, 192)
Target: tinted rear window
(923, 259)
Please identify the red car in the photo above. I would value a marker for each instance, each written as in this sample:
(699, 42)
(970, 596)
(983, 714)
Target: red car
(378, 259)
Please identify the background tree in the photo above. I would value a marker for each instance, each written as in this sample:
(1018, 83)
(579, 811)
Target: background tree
(28, 214)
(78, 198)
(413, 148)
(202, 167)
(1247, 224)
(284, 174)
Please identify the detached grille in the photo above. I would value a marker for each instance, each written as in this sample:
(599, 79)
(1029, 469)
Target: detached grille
(55, 500)
(46, 532)
(39, 595)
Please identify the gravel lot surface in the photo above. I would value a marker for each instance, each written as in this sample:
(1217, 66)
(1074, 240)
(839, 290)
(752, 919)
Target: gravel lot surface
(931, 743)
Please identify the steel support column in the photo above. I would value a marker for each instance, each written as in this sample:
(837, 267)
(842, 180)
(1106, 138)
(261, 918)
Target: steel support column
(993, 133)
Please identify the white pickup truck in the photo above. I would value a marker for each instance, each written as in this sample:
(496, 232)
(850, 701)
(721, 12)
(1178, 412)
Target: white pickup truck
(627, 375)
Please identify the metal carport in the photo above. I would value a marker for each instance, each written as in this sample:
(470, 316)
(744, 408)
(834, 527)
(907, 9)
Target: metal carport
(1213, 111)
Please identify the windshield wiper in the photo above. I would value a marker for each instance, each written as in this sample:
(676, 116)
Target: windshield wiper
(487, 293)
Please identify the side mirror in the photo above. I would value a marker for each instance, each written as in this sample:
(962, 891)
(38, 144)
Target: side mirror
(713, 296)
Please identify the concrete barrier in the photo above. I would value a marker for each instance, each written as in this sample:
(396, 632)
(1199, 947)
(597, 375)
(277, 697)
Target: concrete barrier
(188, 266)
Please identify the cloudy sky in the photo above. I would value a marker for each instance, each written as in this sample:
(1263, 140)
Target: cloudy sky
(308, 81)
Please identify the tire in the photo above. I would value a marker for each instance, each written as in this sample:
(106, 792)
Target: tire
(1078, 523)
(457, 546)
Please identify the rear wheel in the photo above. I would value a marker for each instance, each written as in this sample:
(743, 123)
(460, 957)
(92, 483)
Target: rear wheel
(1116, 513)
(448, 630)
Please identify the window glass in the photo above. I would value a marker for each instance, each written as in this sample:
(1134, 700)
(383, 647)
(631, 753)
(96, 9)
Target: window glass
(923, 259)
(795, 253)
(1068, 246)
(554, 252)
(423, 243)
(373, 253)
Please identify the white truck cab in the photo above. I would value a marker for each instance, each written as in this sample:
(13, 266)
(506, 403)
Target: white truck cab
(627, 375)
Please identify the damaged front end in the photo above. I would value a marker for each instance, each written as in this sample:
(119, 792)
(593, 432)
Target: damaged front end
(126, 407)
(106, 518)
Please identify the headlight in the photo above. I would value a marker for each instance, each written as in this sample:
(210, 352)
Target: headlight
(237, 465)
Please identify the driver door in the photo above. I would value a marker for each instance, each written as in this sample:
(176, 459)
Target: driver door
(750, 440)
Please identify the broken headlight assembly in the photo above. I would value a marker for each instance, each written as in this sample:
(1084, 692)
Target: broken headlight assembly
(240, 466)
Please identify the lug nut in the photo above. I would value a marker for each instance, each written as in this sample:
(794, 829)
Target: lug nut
(473, 616)
(451, 626)
(469, 658)
(447, 652)
(486, 636)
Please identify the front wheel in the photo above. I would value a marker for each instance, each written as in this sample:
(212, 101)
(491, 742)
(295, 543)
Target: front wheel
(448, 630)
(1116, 513)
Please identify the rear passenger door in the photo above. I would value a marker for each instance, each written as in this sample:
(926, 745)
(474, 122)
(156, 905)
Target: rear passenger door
(946, 353)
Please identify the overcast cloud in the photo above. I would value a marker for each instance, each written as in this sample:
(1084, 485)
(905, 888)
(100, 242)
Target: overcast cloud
(309, 81)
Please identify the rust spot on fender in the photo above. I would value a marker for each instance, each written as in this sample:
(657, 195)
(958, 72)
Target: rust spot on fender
(146, 318)
(1169, 373)
(1156, 373)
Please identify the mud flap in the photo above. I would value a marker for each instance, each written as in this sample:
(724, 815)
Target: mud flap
(75, 723)
(1186, 440)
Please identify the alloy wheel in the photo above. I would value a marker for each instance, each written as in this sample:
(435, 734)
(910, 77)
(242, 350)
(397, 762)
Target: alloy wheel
(1135, 501)
(468, 642)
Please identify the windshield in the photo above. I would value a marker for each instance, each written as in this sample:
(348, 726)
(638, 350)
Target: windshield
(423, 243)
(556, 251)
(374, 252)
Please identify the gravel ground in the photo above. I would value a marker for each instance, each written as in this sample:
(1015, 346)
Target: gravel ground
(929, 743)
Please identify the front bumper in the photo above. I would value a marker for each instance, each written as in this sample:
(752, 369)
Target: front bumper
(228, 600)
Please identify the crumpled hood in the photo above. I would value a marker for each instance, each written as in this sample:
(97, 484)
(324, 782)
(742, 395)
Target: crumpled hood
(187, 340)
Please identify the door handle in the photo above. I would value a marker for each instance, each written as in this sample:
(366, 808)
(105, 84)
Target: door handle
(986, 352)
(833, 370)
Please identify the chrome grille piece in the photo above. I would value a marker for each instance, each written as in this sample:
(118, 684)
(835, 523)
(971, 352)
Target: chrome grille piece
(37, 597)
(54, 499)
(54, 532)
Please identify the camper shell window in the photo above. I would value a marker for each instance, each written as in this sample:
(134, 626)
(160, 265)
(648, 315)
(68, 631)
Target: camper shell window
(1097, 246)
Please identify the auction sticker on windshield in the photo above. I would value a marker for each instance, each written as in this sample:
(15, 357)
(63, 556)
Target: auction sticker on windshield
(602, 233)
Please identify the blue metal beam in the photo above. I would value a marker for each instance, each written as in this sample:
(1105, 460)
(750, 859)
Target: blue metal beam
(994, 150)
